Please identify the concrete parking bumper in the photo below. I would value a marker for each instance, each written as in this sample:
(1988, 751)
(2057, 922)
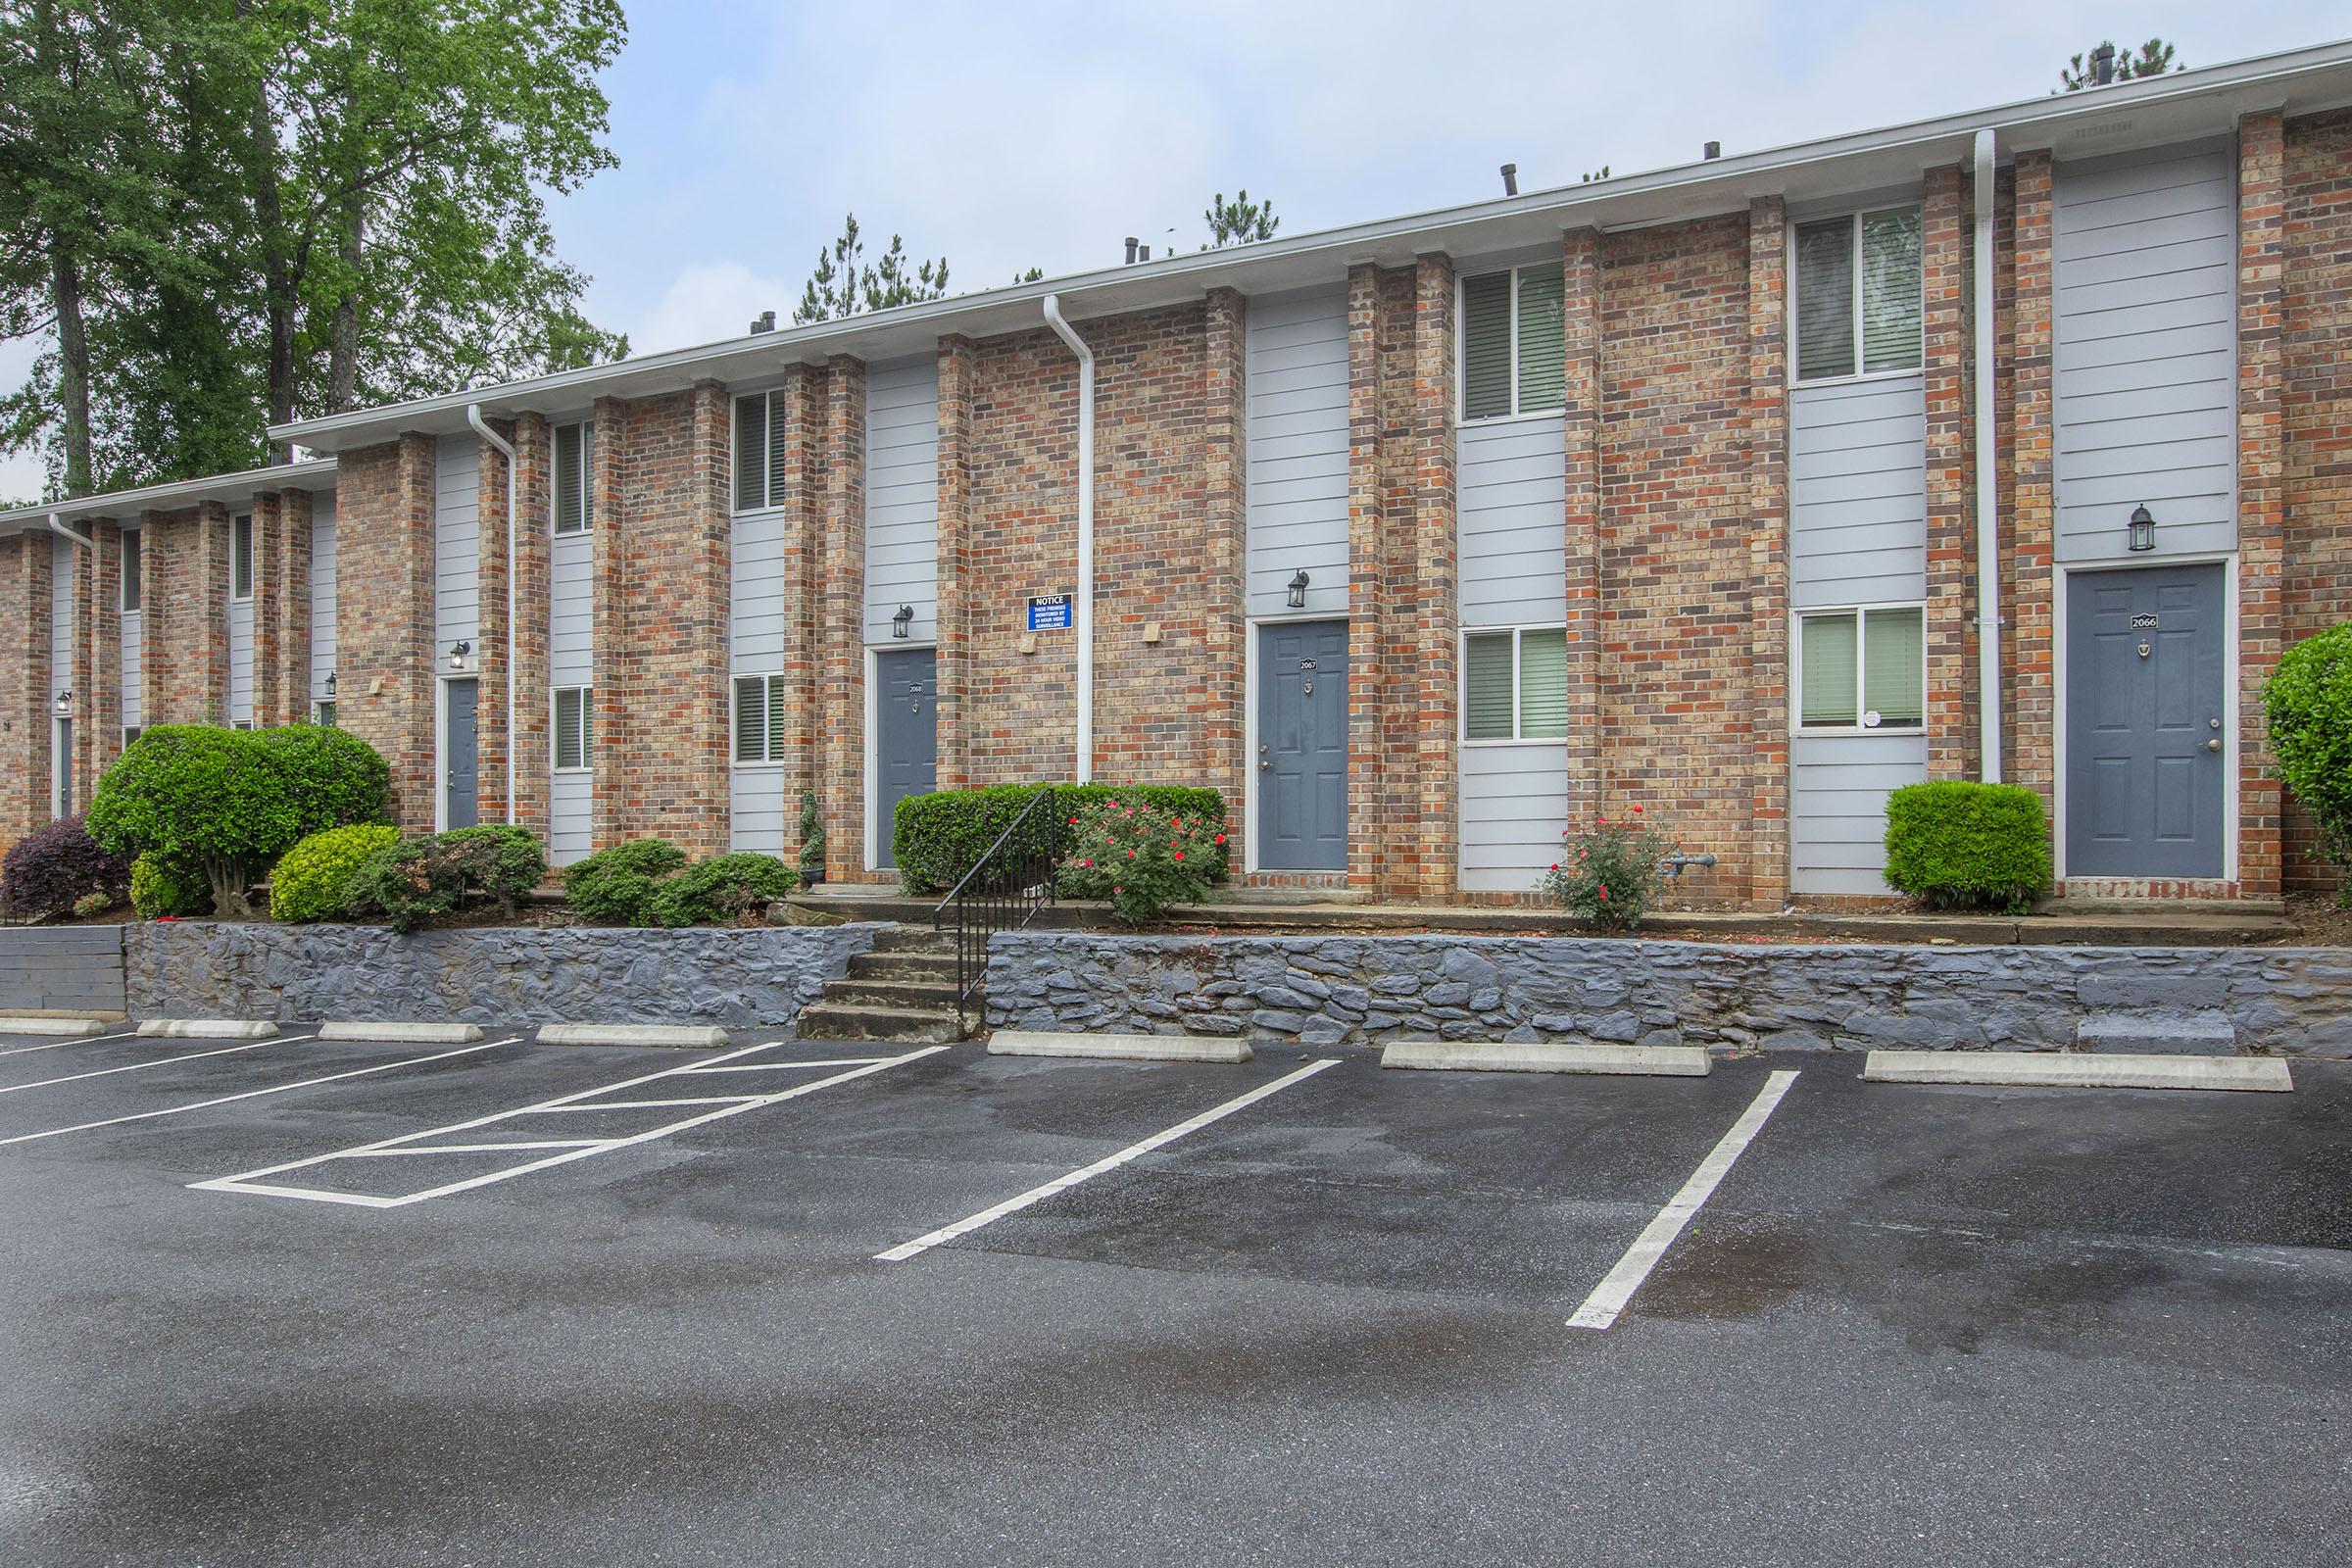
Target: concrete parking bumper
(206, 1029)
(1470, 1056)
(2065, 1069)
(686, 1036)
(1118, 1048)
(411, 1034)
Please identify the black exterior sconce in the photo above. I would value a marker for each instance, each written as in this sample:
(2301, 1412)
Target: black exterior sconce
(1298, 590)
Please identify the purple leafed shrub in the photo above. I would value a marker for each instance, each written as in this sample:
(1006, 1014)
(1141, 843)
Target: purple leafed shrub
(49, 868)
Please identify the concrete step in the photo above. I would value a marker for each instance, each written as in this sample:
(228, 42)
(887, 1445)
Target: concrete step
(922, 995)
(914, 939)
(828, 1021)
(937, 967)
(2198, 1032)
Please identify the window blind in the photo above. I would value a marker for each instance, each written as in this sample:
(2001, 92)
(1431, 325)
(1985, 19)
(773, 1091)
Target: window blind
(750, 719)
(1825, 298)
(240, 559)
(1890, 290)
(1827, 668)
(1542, 339)
(1486, 346)
(571, 470)
(777, 448)
(775, 718)
(1893, 660)
(572, 724)
(1543, 685)
(1487, 682)
(132, 587)
(751, 452)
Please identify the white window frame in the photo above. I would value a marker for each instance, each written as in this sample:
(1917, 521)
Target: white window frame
(770, 758)
(555, 527)
(767, 438)
(242, 522)
(131, 733)
(1461, 666)
(587, 763)
(322, 712)
(1853, 219)
(133, 548)
(1461, 352)
(1860, 612)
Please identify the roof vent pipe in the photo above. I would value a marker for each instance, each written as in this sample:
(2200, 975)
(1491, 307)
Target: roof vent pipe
(1712, 151)
(2102, 64)
(1085, 608)
(1143, 252)
(1131, 250)
(766, 322)
(1510, 179)
(506, 450)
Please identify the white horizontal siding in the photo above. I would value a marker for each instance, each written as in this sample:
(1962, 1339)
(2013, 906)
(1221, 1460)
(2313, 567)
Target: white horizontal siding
(1511, 489)
(1839, 806)
(901, 498)
(1858, 492)
(322, 593)
(456, 544)
(2145, 379)
(571, 612)
(134, 662)
(60, 621)
(240, 633)
(1514, 810)
(570, 800)
(755, 821)
(1296, 374)
(755, 602)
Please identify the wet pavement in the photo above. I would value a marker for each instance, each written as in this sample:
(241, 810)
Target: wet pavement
(1911, 1325)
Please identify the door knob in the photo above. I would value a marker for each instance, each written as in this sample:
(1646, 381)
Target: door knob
(2213, 745)
(1263, 765)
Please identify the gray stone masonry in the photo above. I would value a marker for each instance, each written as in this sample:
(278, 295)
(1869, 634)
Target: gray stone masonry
(1361, 989)
(489, 975)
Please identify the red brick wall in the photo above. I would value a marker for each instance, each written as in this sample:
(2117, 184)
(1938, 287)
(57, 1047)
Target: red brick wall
(2261, 509)
(1767, 694)
(25, 691)
(384, 615)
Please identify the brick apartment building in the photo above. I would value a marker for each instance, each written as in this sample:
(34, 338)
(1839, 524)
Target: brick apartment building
(1422, 539)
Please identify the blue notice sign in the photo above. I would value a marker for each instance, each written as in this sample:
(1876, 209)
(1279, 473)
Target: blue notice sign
(1048, 612)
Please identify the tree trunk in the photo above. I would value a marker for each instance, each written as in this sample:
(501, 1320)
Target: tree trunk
(343, 351)
(74, 364)
(278, 272)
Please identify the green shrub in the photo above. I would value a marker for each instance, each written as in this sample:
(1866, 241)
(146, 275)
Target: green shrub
(163, 891)
(812, 839)
(1956, 844)
(311, 878)
(91, 905)
(723, 888)
(1140, 855)
(397, 886)
(612, 886)
(2307, 700)
(51, 869)
(232, 802)
(937, 837)
(494, 860)
(416, 881)
(1609, 874)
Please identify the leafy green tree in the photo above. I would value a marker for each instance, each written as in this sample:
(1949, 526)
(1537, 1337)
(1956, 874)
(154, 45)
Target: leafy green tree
(2154, 59)
(846, 283)
(1239, 222)
(2308, 701)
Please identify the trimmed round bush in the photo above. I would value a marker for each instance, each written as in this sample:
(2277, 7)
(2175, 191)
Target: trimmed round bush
(2307, 700)
(412, 882)
(160, 890)
(723, 888)
(311, 877)
(397, 886)
(333, 778)
(937, 837)
(496, 861)
(51, 869)
(1956, 844)
(612, 886)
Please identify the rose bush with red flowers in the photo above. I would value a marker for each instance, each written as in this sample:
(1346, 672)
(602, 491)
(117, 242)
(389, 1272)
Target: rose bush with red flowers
(1141, 857)
(1609, 874)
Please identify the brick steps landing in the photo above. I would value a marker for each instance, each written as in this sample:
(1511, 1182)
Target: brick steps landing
(903, 991)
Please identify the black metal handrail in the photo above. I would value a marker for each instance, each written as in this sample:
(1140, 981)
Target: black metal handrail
(1001, 892)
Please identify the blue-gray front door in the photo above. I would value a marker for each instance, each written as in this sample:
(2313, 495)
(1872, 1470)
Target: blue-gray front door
(906, 736)
(2146, 756)
(462, 755)
(1302, 747)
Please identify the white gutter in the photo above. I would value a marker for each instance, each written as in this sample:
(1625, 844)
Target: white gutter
(56, 524)
(1083, 615)
(1989, 506)
(506, 449)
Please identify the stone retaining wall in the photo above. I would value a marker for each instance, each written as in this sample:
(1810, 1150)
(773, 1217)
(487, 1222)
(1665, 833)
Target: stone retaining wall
(1358, 990)
(735, 979)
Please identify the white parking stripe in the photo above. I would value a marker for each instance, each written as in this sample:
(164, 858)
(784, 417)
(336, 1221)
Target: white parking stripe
(252, 1181)
(160, 1061)
(78, 1040)
(1610, 1296)
(250, 1093)
(1133, 1152)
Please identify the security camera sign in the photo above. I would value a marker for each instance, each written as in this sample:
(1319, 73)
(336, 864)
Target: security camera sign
(1050, 612)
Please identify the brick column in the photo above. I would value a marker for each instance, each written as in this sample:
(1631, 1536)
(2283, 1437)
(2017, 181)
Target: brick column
(269, 592)
(208, 603)
(956, 373)
(611, 633)
(804, 399)
(1944, 250)
(1225, 631)
(842, 629)
(161, 580)
(2261, 492)
(1580, 257)
(534, 465)
(492, 722)
(1436, 615)
(384, 615)
(100, 733)
(290, 599)
(2033, 691)
(697, 581)
(1768, 626)
(24, 684)
(1367, 558)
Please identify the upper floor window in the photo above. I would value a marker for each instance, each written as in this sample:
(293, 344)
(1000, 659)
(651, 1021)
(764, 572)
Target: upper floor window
(575, 497)
(133, 584)
(1514, 342)
(240, 557)
(1858, 295)
(759, 446)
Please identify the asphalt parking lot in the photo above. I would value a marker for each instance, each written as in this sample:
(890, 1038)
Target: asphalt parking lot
(313, 1302)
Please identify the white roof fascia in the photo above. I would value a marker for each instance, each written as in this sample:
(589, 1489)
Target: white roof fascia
(227, 488)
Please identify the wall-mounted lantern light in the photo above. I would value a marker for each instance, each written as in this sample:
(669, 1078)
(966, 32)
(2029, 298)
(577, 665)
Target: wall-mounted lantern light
(458, 653)
(2144, 528)
(901, 625)
(330, 685)
(63, 708)
(1298, 590)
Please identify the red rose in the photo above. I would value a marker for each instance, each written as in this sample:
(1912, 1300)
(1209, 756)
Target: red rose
(1220, 838)
(1089, 864)
(1555, 866)
(1637, 810)
(1180, 855)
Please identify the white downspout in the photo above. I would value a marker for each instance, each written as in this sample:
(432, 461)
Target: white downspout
(1084, 610)
(506, 449)
(56, 524)
(1989, 508)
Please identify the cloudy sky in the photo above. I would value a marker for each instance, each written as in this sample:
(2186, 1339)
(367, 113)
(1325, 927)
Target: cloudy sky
(1007, 135)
